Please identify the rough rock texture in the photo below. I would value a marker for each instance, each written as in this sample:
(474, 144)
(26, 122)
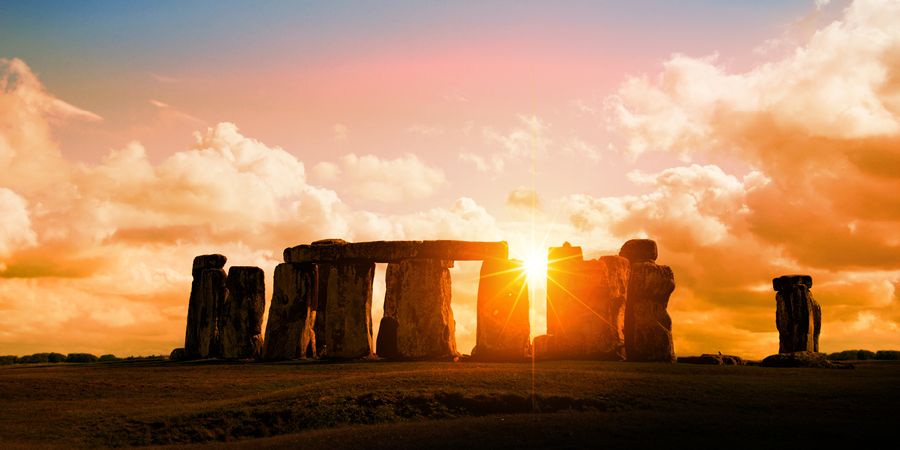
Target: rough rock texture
(648, 327)
(177, 354)
(320, 306)
(289, 331)
(348, 314)
(798, 316)
(639, 250)
(585, 305)
(333, 250)
(712, 360)
(803, 359)
(503, 328)
(426, 329)
(386, 343)
(211, 298)
(240, 322)
(191, 336)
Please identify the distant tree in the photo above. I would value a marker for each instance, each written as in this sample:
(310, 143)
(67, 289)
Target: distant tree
(865, 354)
(57, 358)
(7, 360)
(109, 358)
(884, 355)
(36, 358)
(81, 358)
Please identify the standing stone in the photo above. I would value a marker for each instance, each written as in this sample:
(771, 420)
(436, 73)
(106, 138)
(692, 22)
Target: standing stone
(211, 299)
(289, 332)
(610, 340)
(562, 264)
(798, 316)
(426, 328)
(348, 315)
(639, 250)
(240, 323)
(321, 304)
(503, 330)
(648, 327)
(386, 344)
(192, 336)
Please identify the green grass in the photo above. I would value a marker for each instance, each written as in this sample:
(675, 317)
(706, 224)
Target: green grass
(136, 403)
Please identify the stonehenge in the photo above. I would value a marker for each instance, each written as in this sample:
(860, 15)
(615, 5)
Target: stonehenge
(610, 308)
(798, 316)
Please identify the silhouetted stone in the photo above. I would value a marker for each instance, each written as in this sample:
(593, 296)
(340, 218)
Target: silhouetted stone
(503, 328)
(386, 344)
(191, 337)
(562, 264)
(289, 331)
(177, 354)
(648, 327)
(240, 322)
(803, 359)
(320, 306)
(798, 316)
(395, 251)
(348, 314)
(712, 360)
(639, 250)
(212, 293)
(426, 329)
(611, 337)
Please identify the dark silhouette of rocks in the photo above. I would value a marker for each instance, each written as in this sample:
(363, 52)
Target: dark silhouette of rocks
(386, 343)
(348, 315)
(712, 360)
(289, 330)
(177, 354)
(803, 359)
(240, 322)
(503, 324)
(639, 250)
(425, 325)
(648, 327)
(798, 316)
(197, 307)
(211, 298)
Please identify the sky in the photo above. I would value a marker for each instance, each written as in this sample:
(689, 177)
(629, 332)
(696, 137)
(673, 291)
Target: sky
(750, 140)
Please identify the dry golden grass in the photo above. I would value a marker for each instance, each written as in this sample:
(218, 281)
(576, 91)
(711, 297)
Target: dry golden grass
(438, 404)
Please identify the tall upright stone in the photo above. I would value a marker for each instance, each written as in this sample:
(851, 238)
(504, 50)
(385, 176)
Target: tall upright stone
(321, 304)
(612, 337)
(798, 316)
(425, 325)
(562, 268)
(648, 327)
(348, 314)
(292, 314)
(503, 329)
(386, 343)
(213, 292)
(195, 304)
(240, 322)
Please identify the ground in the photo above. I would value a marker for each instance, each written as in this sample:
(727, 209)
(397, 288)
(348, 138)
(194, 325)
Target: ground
(563, 404)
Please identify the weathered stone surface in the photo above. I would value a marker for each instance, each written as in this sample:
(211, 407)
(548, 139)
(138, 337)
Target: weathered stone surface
(396, 251)
(712, 360)
(426, 328)
(212, 293)
(289, 331)
(639, 250)
(320, 305)
(240, 322)
(503, 328)
(191, 336)
(348, 314)
(177, 354)
(586, 305)
(803, 359)
(648, 327)
(798, 316)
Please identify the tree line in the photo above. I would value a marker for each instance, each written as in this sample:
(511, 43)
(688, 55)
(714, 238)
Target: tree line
(862, 355)
(39, 358)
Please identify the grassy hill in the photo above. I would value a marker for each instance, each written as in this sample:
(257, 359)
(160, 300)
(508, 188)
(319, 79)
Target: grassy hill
(374, 404)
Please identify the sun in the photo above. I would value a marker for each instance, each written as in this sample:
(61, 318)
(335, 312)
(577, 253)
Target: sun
(535, 267)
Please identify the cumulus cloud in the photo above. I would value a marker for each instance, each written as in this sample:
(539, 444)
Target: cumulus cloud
(820, 131)
(515, 146)
(404, 178)
(15, 226)
(522, 203)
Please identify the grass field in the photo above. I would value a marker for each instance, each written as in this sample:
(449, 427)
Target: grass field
(564, 404)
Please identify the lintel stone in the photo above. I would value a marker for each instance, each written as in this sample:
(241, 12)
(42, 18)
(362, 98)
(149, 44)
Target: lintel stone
(396, 251)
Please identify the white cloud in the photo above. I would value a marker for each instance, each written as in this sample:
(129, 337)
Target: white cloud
(325, 171)
(516, 146)
(390, 181)
(15, 226)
